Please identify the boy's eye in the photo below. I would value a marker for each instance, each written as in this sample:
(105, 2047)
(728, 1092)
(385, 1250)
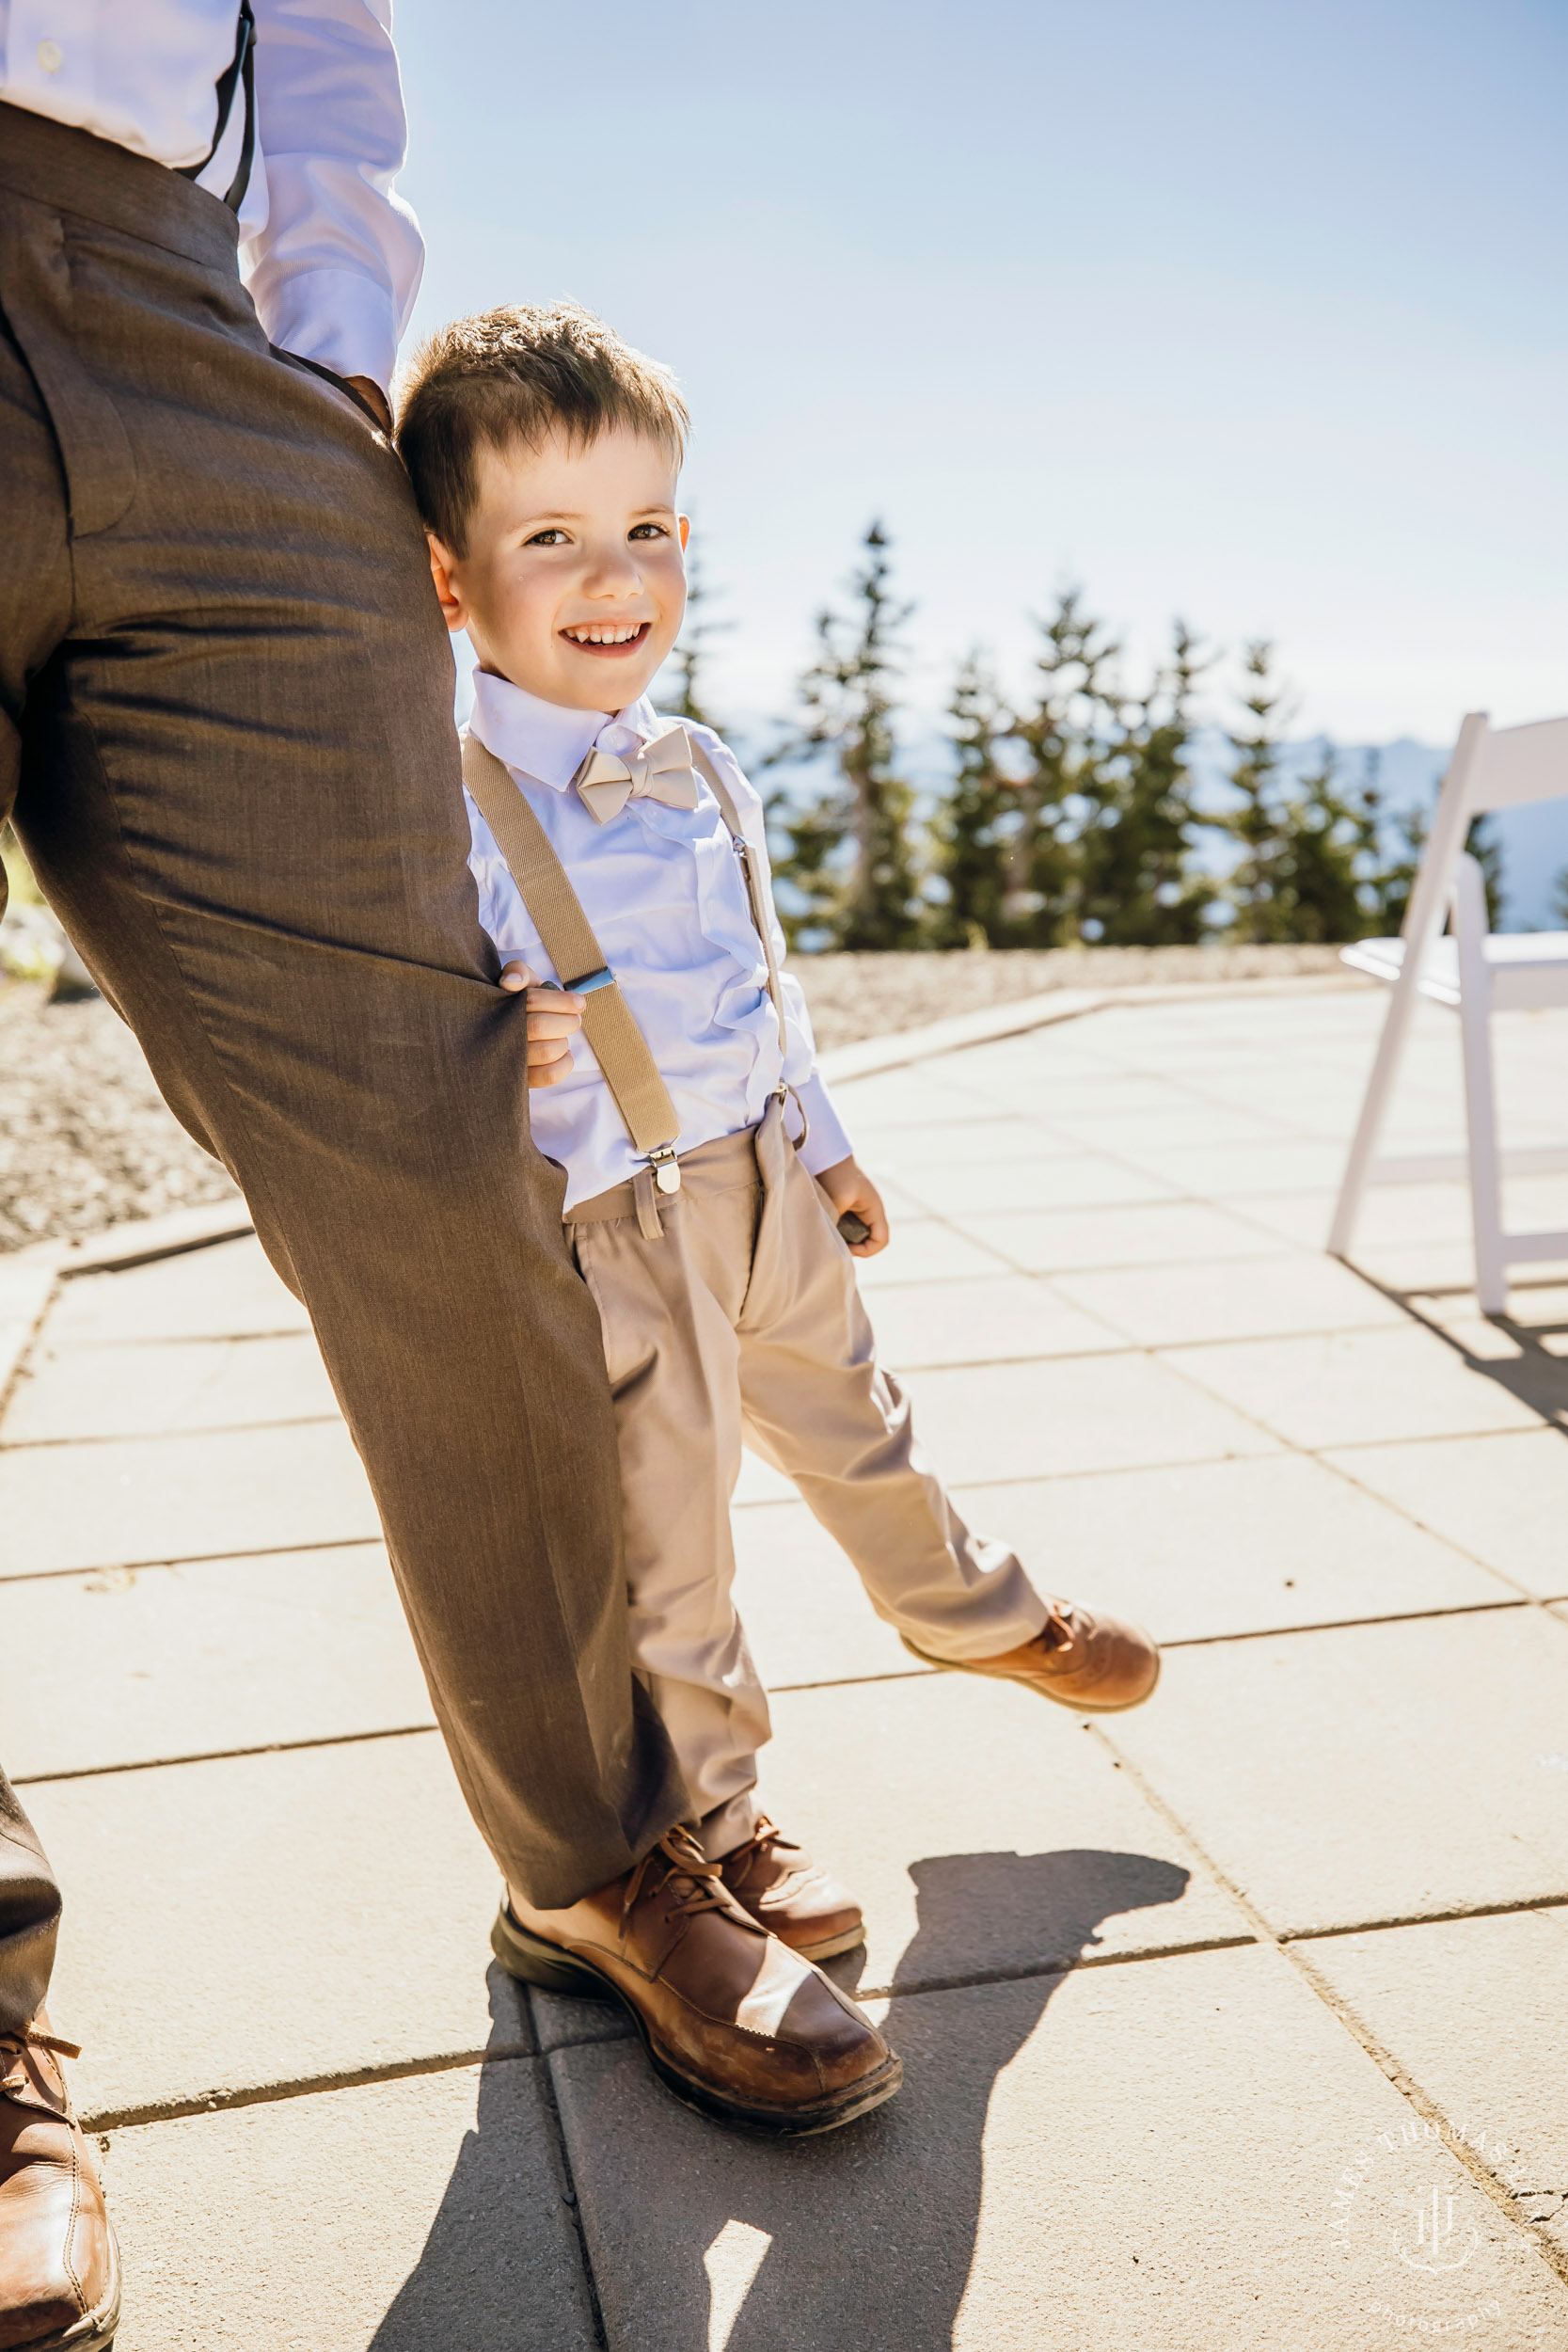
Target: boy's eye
(648, 531)
(551, 538)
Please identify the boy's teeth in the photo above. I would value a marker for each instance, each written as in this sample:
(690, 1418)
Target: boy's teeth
(603, 633)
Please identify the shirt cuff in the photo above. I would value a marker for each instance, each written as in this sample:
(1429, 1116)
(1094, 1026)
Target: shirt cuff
(827, 1143)
(338, 318)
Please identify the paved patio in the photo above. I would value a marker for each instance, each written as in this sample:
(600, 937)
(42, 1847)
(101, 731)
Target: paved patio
(1236, 2022)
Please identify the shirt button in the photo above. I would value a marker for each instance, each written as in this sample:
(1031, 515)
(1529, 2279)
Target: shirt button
(50, 56)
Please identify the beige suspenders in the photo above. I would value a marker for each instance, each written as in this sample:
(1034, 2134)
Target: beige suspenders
(620, 1048)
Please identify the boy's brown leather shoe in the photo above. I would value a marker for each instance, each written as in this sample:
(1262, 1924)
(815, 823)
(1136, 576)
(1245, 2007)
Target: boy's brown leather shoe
(1097, 1665)
(60, 2272)
(733, 2021)
(792, 1896)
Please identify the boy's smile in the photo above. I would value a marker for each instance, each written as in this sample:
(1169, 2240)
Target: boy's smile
(572, 582)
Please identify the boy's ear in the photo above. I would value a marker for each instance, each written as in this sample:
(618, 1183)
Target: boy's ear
(684, 521)
(442, 564)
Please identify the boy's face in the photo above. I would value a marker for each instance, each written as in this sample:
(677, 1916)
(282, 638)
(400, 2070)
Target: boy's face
(574, 585)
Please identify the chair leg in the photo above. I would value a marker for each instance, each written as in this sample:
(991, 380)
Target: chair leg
(1374, 1107)
(1481, 1101)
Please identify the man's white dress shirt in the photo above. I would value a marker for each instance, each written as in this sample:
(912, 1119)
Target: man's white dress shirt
(664, 892)
(332, 257)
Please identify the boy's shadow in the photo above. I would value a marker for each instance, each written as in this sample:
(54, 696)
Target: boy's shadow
(860, 2233)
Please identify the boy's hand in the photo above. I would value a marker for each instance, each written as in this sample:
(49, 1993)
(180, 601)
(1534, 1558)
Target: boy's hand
(552, 1018)
(851, 1192)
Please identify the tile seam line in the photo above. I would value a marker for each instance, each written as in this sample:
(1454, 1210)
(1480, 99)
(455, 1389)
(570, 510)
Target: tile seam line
(1520, 1905)
(192, 1559)
(1205, 1640)
(225, 1756)
(1348, 2019)
(574, 2200)
(23, 1353)
(838, 1682)
(506, 2053)
(301, 2086)
(166, 1436)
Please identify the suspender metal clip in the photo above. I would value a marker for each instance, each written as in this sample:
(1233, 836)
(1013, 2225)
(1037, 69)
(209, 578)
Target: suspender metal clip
(666, 1168)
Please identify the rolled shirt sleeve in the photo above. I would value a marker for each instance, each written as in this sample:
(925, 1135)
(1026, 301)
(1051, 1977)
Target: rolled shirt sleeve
(335, 270)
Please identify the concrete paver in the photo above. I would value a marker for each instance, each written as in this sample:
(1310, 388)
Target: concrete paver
(1214, 1549)
(805, 1612)
(1503, 1499)
(1356, 1387)
(1317, 1768)
(1251, 1298)
(213, 1655)
(127, 1500)
(1498, 2077)
(228, 1291)
(1094, 1412)
(1143, 2155)
(1054, 1241)
(268, 1920)
(1005, 1318)
(81, 1393)
(399, 2217)
(1084, 1180)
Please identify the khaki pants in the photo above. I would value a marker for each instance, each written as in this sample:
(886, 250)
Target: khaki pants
(743, 1321)
(226, 719)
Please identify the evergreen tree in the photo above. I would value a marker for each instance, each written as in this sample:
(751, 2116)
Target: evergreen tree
(1137, 887)
(1254, 821)
(1061, 738)
(849, 857)
(973, 830)
(1327, 842)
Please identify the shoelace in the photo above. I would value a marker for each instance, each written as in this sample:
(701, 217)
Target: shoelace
(29, 2038)
(684, 1859)
(764, 1842)
(1057, 1632)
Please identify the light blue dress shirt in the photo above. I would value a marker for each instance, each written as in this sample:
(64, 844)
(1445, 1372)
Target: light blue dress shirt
(664, 892)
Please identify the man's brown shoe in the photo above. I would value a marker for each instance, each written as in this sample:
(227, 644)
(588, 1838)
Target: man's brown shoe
(1095, 1665)
(60, 2272)
(792, 1896)
(733, 2021)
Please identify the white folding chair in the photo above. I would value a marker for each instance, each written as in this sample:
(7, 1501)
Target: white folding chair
(1477, 972)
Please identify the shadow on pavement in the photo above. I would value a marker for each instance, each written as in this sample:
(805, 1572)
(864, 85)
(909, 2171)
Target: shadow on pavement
(497, 2249)
(711, 2240)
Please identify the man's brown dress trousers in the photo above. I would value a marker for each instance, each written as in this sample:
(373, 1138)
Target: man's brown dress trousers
(226, 719)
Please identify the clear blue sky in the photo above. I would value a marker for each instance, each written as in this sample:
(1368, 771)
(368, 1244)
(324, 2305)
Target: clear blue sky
(1250, 312)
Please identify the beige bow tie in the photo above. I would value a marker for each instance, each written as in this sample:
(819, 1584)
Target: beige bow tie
(661, 770)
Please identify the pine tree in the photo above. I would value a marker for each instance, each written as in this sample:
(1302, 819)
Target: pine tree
(1254, 883)
(973, 829)
(1327, 839)
(1137, 887)
(1061, 739)
(849, 857)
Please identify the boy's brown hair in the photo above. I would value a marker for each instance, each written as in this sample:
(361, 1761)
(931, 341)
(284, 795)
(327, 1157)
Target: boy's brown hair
(516, 375)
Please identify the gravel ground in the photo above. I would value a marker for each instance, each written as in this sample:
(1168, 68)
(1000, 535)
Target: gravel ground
(86, 1141)
(856, 997)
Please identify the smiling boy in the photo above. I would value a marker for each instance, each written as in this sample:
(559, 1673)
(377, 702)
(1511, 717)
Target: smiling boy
(706, 1174)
